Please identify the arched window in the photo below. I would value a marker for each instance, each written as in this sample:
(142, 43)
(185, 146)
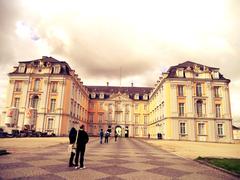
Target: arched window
(199, 108)
(35, 101)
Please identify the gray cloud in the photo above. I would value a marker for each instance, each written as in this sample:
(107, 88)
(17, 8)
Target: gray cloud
(97, 45)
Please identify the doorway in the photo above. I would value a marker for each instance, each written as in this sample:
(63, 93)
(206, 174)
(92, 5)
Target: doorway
(118, 130)
(126, 132)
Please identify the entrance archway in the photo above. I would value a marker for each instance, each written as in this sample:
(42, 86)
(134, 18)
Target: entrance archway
(118, 130)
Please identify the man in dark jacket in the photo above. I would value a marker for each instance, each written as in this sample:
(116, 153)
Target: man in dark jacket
(72, 139)
(82, 140)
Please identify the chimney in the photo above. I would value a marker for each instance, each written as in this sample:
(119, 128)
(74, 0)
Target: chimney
(107, 83)
(132, 84)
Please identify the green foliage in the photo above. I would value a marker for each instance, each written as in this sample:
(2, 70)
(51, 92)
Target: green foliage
(225, 163)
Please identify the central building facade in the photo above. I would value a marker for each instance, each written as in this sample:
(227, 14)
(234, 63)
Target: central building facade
(188, 102)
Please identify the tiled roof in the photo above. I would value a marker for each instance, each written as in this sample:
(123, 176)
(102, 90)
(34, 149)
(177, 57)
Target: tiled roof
(189, 64)
(65, 68)
(116, 89)
(107, 90)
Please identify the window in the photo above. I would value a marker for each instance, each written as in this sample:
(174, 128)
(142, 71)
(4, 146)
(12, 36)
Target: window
(127, 107)
(54, 87)
(180, 90)
(201, 129)
(136, 119)
(216, 91)
(91, 105)
(145, 97)
(181, 109)
(117, 117)
(215, 75)
(21, 68)
(73, 87)
(136, 96)
(199, 108)
(93, 95)
(90, 118)
(145, 107)
(199, 89)
(136, 130)
(50, 123)
(182, 128)
(78, 110)
(71, 108)
(100, 118)
(36, 85)
(56, 69)
(16, 102)
(180, 73)
(136, 106)
(110, 116)
(35, 102)
(119, 106)
(74, 109)
(145, 131)
(52, 105)
(110, 107)
(126, 117)
(145, 120)
(101, 105)
(220, 129)
(101, 96)
(18, 86)
(218, 110)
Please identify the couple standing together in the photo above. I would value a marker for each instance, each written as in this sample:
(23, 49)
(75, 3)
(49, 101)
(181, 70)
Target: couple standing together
(78, 140)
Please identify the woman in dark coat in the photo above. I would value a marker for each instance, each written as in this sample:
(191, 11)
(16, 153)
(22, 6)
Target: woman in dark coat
(72, 139)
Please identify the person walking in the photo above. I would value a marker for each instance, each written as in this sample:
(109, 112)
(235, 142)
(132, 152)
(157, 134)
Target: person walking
(72, 140)
(101, 135)
(82, 140)
(106, 136)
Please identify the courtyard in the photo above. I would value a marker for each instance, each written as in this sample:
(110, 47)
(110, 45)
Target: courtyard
(128, 158)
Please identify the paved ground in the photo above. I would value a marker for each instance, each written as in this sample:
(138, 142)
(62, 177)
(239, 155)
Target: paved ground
(124, 159)
(192, 150)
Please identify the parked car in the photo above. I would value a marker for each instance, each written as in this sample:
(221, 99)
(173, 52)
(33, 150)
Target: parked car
(3, 134)
(15, 133)
(23, 133)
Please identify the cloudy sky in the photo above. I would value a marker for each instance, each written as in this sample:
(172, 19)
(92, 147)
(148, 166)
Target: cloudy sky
(144, 38)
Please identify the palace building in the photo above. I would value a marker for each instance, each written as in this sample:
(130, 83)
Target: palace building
(189, 102)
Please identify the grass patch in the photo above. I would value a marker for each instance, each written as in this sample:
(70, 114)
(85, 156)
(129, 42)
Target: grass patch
(232, 165)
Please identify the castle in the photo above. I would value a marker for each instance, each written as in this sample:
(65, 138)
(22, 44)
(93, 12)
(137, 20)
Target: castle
(188, 102)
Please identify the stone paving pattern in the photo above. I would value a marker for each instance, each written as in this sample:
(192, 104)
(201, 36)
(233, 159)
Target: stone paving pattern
(124, 159)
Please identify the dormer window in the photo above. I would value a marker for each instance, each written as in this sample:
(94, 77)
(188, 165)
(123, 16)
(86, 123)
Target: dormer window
(56, 69)
(179, 72)
(101, 95)
(215, 75)
(136, 96)
(22, 68)
(145, 97)
(93, 95)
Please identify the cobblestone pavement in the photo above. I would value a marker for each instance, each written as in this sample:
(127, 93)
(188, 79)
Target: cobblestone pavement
(124, 159)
